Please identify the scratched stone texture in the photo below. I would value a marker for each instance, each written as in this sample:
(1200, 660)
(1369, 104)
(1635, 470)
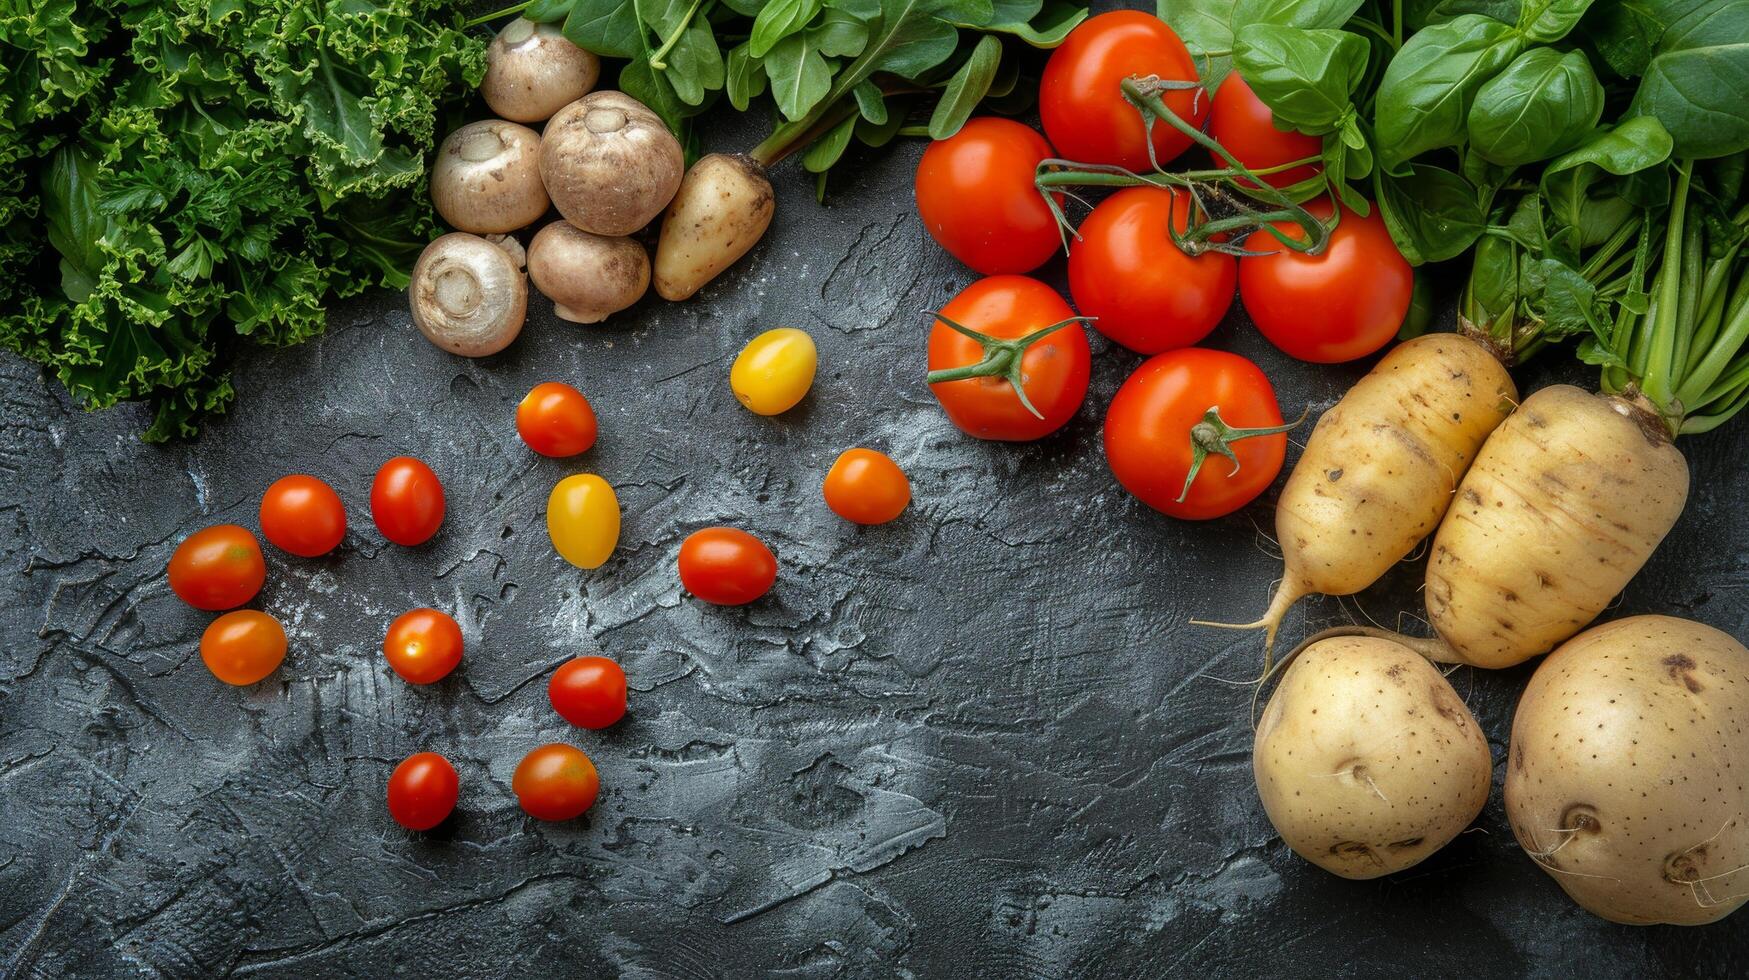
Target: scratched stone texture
(983, 741)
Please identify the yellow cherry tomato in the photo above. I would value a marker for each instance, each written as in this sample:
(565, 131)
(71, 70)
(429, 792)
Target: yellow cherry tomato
(583, 519)
(774, 370)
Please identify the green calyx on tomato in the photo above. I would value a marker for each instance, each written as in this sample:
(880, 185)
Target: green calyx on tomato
(1214, 435)
(1002, 358)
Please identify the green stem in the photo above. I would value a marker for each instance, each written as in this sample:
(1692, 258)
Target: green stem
(1214, 435)
(1397, 23)
(1002, 358)
(506, 12)
(668, 43)
(1655, 377)
(1719, 356)
(1377, 31)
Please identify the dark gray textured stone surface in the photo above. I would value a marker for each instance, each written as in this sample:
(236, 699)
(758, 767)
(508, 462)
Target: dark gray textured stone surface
(981, 741)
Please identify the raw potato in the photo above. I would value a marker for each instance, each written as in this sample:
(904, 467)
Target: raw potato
(1380, 466)
(722, 209)
(610, 164)
(1366, 760)
(1564, 504)
(1626, 776)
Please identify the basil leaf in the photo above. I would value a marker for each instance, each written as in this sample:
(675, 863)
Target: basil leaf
(1635, 145)
(1424, 100)
(800, 78)
(966, 89)
(1310, 14)
(1626, 34)
(1432, 213)
(1303, 76)
(1696, 83)
(1544, 103)
(779, 20)
(745, 79)
(1550, 20)
(609, 28)
(828, 148)
(1206, 28)
(746, 8)
(547, 11)
(866, 10)
(870, 103)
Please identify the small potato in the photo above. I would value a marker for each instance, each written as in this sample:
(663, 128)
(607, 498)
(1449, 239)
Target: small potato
(1366, 759)
(722, 209)
(1626, 776)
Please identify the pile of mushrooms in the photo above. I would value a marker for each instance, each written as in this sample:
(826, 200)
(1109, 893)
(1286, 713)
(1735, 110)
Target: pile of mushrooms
(607, 164)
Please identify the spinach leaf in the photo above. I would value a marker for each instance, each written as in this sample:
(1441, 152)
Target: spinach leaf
(827, 149)
(1432, 213)
(966, 88)
(1542, 104)
(1625, 33)
(778, 20)
(1568, 181)
(838, 34)
(800, 77)
(1424, 99)
(871, 103)
(1044, 27)
(1305, 77)
(1550, 20)
(610, 28)
(745, 78)
(1310, 14)
(1696, 82)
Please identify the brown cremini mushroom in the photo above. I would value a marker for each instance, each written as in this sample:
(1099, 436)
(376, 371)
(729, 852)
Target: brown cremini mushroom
(532, 71)
(468, 295)
(487, 178)
(588, 277)
(609, 163)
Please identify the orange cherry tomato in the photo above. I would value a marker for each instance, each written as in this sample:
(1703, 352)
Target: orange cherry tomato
(423, 646)
(976, 197)
(242, 647)
(406, 501)
(302, 515)
(423, 791)
(218, 567)
(1054, 367)
(554, 419)
(866, 487)
(1085, 114)
(726, 566)
(589, 692)
(555, 782)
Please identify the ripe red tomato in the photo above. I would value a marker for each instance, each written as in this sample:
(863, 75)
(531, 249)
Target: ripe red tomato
(1084, 112)
(589, 692)
(1052, 369)
(554, 419)
(302, 515)
(218, 567)
(555, 782)
(866, 487)
(1151, 428)
(1141, 290)
(243, 647)
(406, 501)
(1241, 122)
(423, 646)
(423, 791)
(726, 566)
(976, 197)
(1343, 303)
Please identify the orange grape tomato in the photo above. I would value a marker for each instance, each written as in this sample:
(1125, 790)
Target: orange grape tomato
(555, 782)
(554, 419)
(423, 646)
(243, 647)
(866, 487)
(218, 567)
(302, 515)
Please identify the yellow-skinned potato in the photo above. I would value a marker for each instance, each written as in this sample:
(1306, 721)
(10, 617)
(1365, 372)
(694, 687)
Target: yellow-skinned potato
(1366, 760)
(722, 209)
(1626, 778)
(1564, 504)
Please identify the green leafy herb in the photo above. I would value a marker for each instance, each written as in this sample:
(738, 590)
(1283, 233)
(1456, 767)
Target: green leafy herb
(1542, 104)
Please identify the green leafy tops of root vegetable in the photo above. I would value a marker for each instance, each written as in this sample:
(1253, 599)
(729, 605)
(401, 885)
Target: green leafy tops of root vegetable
(183, 174)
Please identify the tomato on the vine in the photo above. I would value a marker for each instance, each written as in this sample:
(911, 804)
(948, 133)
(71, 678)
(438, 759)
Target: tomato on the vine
(243, 647)
(555, 782)
(1140, 289)
(1085, 114)
(726, 566)
(302, 515)
(422, 791)
(406, 501)
(589, 692)
(1181, 412)
(866, 487)
(218, 567)
(1345, 302)
(1242, 124)
(1008, 359)
(976, 197)
(554, 419)
(423, 646)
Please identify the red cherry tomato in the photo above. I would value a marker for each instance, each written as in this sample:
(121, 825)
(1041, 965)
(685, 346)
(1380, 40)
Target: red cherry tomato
(1241, 122)
(866, 487)
(1053, 368)
(726, 566)
(1150, 427)
(243, 647)
(1343, 303)
(406, 501)
(218, 567)
(554, 419)
(555, 782)
(423, 646)
(589, 692)
(302, 515)
(423, 791)
(1141, 290)
(1083, 109)
(976, 197)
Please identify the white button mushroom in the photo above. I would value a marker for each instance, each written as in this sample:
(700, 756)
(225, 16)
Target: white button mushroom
(532, 71)
(487, 178)
(609, 163)
(588, 277)
(468, 295)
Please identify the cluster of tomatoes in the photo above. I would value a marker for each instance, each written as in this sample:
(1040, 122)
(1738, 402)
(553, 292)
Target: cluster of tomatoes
(1004, 366)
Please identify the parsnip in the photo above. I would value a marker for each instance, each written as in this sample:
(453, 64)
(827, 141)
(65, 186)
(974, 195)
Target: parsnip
(722, 209)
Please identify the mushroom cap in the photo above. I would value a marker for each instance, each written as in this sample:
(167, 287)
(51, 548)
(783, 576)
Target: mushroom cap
(487, 178)
(468, 296)
(533, 71)
(610, 164)
(588, 277)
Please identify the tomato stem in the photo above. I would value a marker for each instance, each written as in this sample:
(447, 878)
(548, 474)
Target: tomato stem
(1214, 435)
(1002, 358)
